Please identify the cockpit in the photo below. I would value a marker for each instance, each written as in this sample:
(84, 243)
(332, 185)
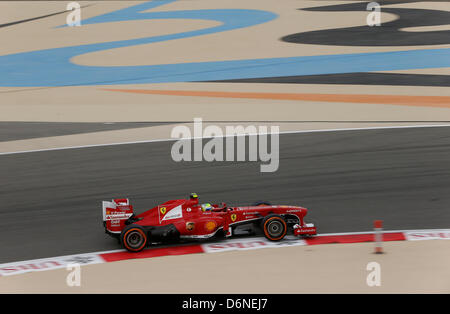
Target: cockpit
(205, 207)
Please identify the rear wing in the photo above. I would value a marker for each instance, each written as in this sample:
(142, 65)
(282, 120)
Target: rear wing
(115, 213)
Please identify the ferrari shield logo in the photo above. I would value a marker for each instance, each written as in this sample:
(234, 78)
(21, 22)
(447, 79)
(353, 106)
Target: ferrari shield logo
(163, 210)
(233, 217)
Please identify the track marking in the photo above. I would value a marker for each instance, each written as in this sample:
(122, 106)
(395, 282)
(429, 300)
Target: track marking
(401, 100)
(193, 138)
(40, 17)
(251, 243)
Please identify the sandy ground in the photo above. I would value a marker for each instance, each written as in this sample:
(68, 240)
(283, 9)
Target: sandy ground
(406, 267)
(94, 104)
(259, 41)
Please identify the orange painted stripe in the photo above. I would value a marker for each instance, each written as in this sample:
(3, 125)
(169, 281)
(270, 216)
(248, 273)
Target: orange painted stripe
(426, 101)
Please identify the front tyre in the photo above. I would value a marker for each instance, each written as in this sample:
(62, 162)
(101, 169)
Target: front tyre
(133, 238)
(274, 227)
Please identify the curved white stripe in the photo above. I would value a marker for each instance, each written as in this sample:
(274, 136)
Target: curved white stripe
(193, 138)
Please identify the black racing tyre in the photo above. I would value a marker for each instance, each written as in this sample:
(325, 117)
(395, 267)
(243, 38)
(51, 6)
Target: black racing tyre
(274, 227)
(134, 238)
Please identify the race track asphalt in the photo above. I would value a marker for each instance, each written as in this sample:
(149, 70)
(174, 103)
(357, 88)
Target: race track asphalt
(51, 201)
(12, 131)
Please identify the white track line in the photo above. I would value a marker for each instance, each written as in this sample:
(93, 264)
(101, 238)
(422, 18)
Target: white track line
(193, 138)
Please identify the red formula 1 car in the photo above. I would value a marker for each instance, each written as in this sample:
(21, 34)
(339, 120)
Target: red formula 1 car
(187, 219)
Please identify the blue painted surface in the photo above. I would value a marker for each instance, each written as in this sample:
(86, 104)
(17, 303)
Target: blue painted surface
(52, 67)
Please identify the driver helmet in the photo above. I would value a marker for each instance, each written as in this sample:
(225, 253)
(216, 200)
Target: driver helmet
(193, 196)
(206, 207)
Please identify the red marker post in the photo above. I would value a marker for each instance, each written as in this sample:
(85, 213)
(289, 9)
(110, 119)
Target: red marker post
(378, 236)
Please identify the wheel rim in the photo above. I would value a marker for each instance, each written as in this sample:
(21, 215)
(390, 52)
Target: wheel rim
(135, 239)
(275, 228)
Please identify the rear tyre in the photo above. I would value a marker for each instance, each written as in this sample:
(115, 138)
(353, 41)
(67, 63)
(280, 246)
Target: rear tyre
(274, 227)
(133, 238)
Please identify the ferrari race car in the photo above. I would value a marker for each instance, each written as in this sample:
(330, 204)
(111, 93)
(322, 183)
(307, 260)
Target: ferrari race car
(180, 219)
